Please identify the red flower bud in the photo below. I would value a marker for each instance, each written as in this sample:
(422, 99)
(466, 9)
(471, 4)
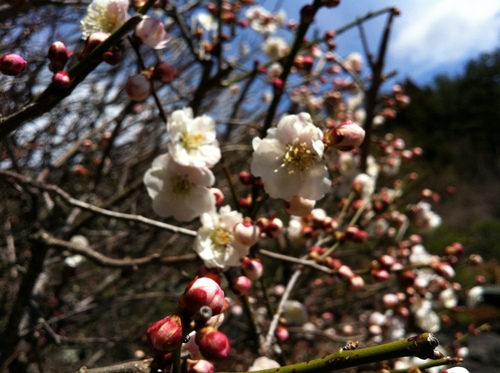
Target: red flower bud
(61, 79)
(241, 285)
(165, 335)
(214, 345)
(58, 56)
(164, 72)
(219, 196)
(12, 64)
(203, 292)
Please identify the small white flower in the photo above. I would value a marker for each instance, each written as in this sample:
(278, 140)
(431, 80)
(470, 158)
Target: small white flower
(289, 159)
(216, 244)
(104, 16)
(448, 298)
(275, 47)
(263, 21)
(262, 363)
(193, 140)
(424, 217)
(173, 188)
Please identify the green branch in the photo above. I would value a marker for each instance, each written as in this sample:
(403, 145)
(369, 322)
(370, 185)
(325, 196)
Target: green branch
(421, 346)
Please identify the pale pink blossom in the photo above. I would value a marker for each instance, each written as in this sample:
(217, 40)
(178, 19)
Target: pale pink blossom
(151, 32)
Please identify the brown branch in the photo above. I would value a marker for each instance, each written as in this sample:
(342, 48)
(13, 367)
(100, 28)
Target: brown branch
(106, 261)
(97, 210)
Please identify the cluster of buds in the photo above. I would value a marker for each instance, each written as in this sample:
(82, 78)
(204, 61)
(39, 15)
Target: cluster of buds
(200, 312)
(343, 271)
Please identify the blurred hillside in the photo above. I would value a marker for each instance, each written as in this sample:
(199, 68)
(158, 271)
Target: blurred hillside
(457, 123)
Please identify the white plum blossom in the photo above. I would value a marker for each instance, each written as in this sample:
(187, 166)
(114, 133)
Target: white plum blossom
(104, 16)
(424, 217)
(289, 159)
(173, 188)
(193, 140)
(425, 317)
(262, 363)
(275, 47)
(216, 243)
(263, 21)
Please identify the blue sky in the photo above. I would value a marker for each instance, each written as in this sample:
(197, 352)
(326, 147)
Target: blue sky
(430, 37)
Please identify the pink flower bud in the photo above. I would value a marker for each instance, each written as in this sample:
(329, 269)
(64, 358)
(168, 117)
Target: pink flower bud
(246, 233)
(390, 300)
(219, 196)
(241, 285)
(380, 275)
(246, 178)
(12, 64)
(387, 261)
(58, 56)
(444, 269)
(199, 366)
(164, 72)
(346, 136)
(202, 292)
(357, 282)
(281, 333)
(93, 40)
(138, 87)
(252, 268)
(214, 345)
(299, 206)
(151, 32)
(61, 79)
(166, 335)
(112, 57)
(345, 272)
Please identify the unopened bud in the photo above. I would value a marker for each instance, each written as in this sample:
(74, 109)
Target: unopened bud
(202, 292)
(357, 282)
(138, 87)
(61, 79)
(219, 196)
(164, 72)
(241, 285)
(252, 268)
(166, 335)
(214, 345)
(12, 64)
(299, 206)
(199, 366)
(281, 333)
(246, 233)
(92, 41)
(307, 14)
(58, 56)
(346, 136)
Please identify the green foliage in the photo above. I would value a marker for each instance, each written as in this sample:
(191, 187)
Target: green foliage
(456, 120)
(485, 238)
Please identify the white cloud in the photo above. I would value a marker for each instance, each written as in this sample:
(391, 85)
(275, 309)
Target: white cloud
(431, 33)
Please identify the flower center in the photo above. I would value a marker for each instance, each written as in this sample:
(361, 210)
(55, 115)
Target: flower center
(298, 157)
(192, 141)
(181, 186)
(220, 236)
